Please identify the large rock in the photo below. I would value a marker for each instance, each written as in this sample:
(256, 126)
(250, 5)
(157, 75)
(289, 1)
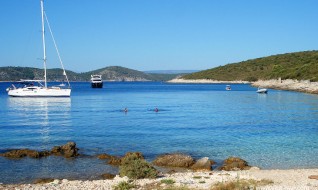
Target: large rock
(234, 164)
(68, 150)
(174, 160)
(203, 164)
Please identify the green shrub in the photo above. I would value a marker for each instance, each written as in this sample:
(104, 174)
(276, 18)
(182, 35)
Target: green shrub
(124, 186)
(168, 181)
(135, 167)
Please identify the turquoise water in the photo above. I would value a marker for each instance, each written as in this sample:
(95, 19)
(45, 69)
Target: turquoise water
(277, 130)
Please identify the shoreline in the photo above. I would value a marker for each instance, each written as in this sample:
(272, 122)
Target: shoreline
(280, 179)
(206, 81)
(288, 84)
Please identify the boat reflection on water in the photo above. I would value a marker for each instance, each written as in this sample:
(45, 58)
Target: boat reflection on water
(40, 116)
(42, 105)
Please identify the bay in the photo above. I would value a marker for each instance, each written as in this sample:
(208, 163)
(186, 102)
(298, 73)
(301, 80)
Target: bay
(274, 130)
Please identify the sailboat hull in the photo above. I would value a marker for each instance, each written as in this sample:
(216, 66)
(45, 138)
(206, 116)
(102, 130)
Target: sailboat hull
(40, 92)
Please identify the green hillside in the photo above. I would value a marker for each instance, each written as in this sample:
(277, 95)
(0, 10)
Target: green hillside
(298, 65)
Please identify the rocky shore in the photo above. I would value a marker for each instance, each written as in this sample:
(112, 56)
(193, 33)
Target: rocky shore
(300, 179)
(136, 173)
(202, 81)
(289, 84)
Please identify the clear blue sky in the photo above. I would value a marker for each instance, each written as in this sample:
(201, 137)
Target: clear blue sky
(155, 34)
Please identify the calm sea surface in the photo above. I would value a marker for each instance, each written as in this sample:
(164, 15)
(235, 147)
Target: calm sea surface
(277, 130)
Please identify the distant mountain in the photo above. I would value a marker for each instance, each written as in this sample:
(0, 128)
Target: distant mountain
(17, 73)
(117, 73)
(113, 73)
(298, 65)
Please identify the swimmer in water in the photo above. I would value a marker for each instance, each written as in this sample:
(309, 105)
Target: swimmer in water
(125, 110)
(156, 110)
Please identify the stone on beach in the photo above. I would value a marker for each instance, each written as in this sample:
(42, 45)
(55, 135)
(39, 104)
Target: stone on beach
(174, 160)
(203, 164)
(234, 164)
(313, 177)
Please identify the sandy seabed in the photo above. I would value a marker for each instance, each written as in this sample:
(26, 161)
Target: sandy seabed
(292, 179)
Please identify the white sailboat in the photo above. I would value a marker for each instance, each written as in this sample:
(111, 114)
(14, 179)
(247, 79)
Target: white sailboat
(39, 88)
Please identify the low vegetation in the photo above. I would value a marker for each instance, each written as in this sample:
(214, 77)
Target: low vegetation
(240, 184)
(167, 181)
(124, 186)
(299, 65)
(135, 167)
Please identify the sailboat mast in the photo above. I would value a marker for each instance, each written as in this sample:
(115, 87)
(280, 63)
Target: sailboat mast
(43, 41)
